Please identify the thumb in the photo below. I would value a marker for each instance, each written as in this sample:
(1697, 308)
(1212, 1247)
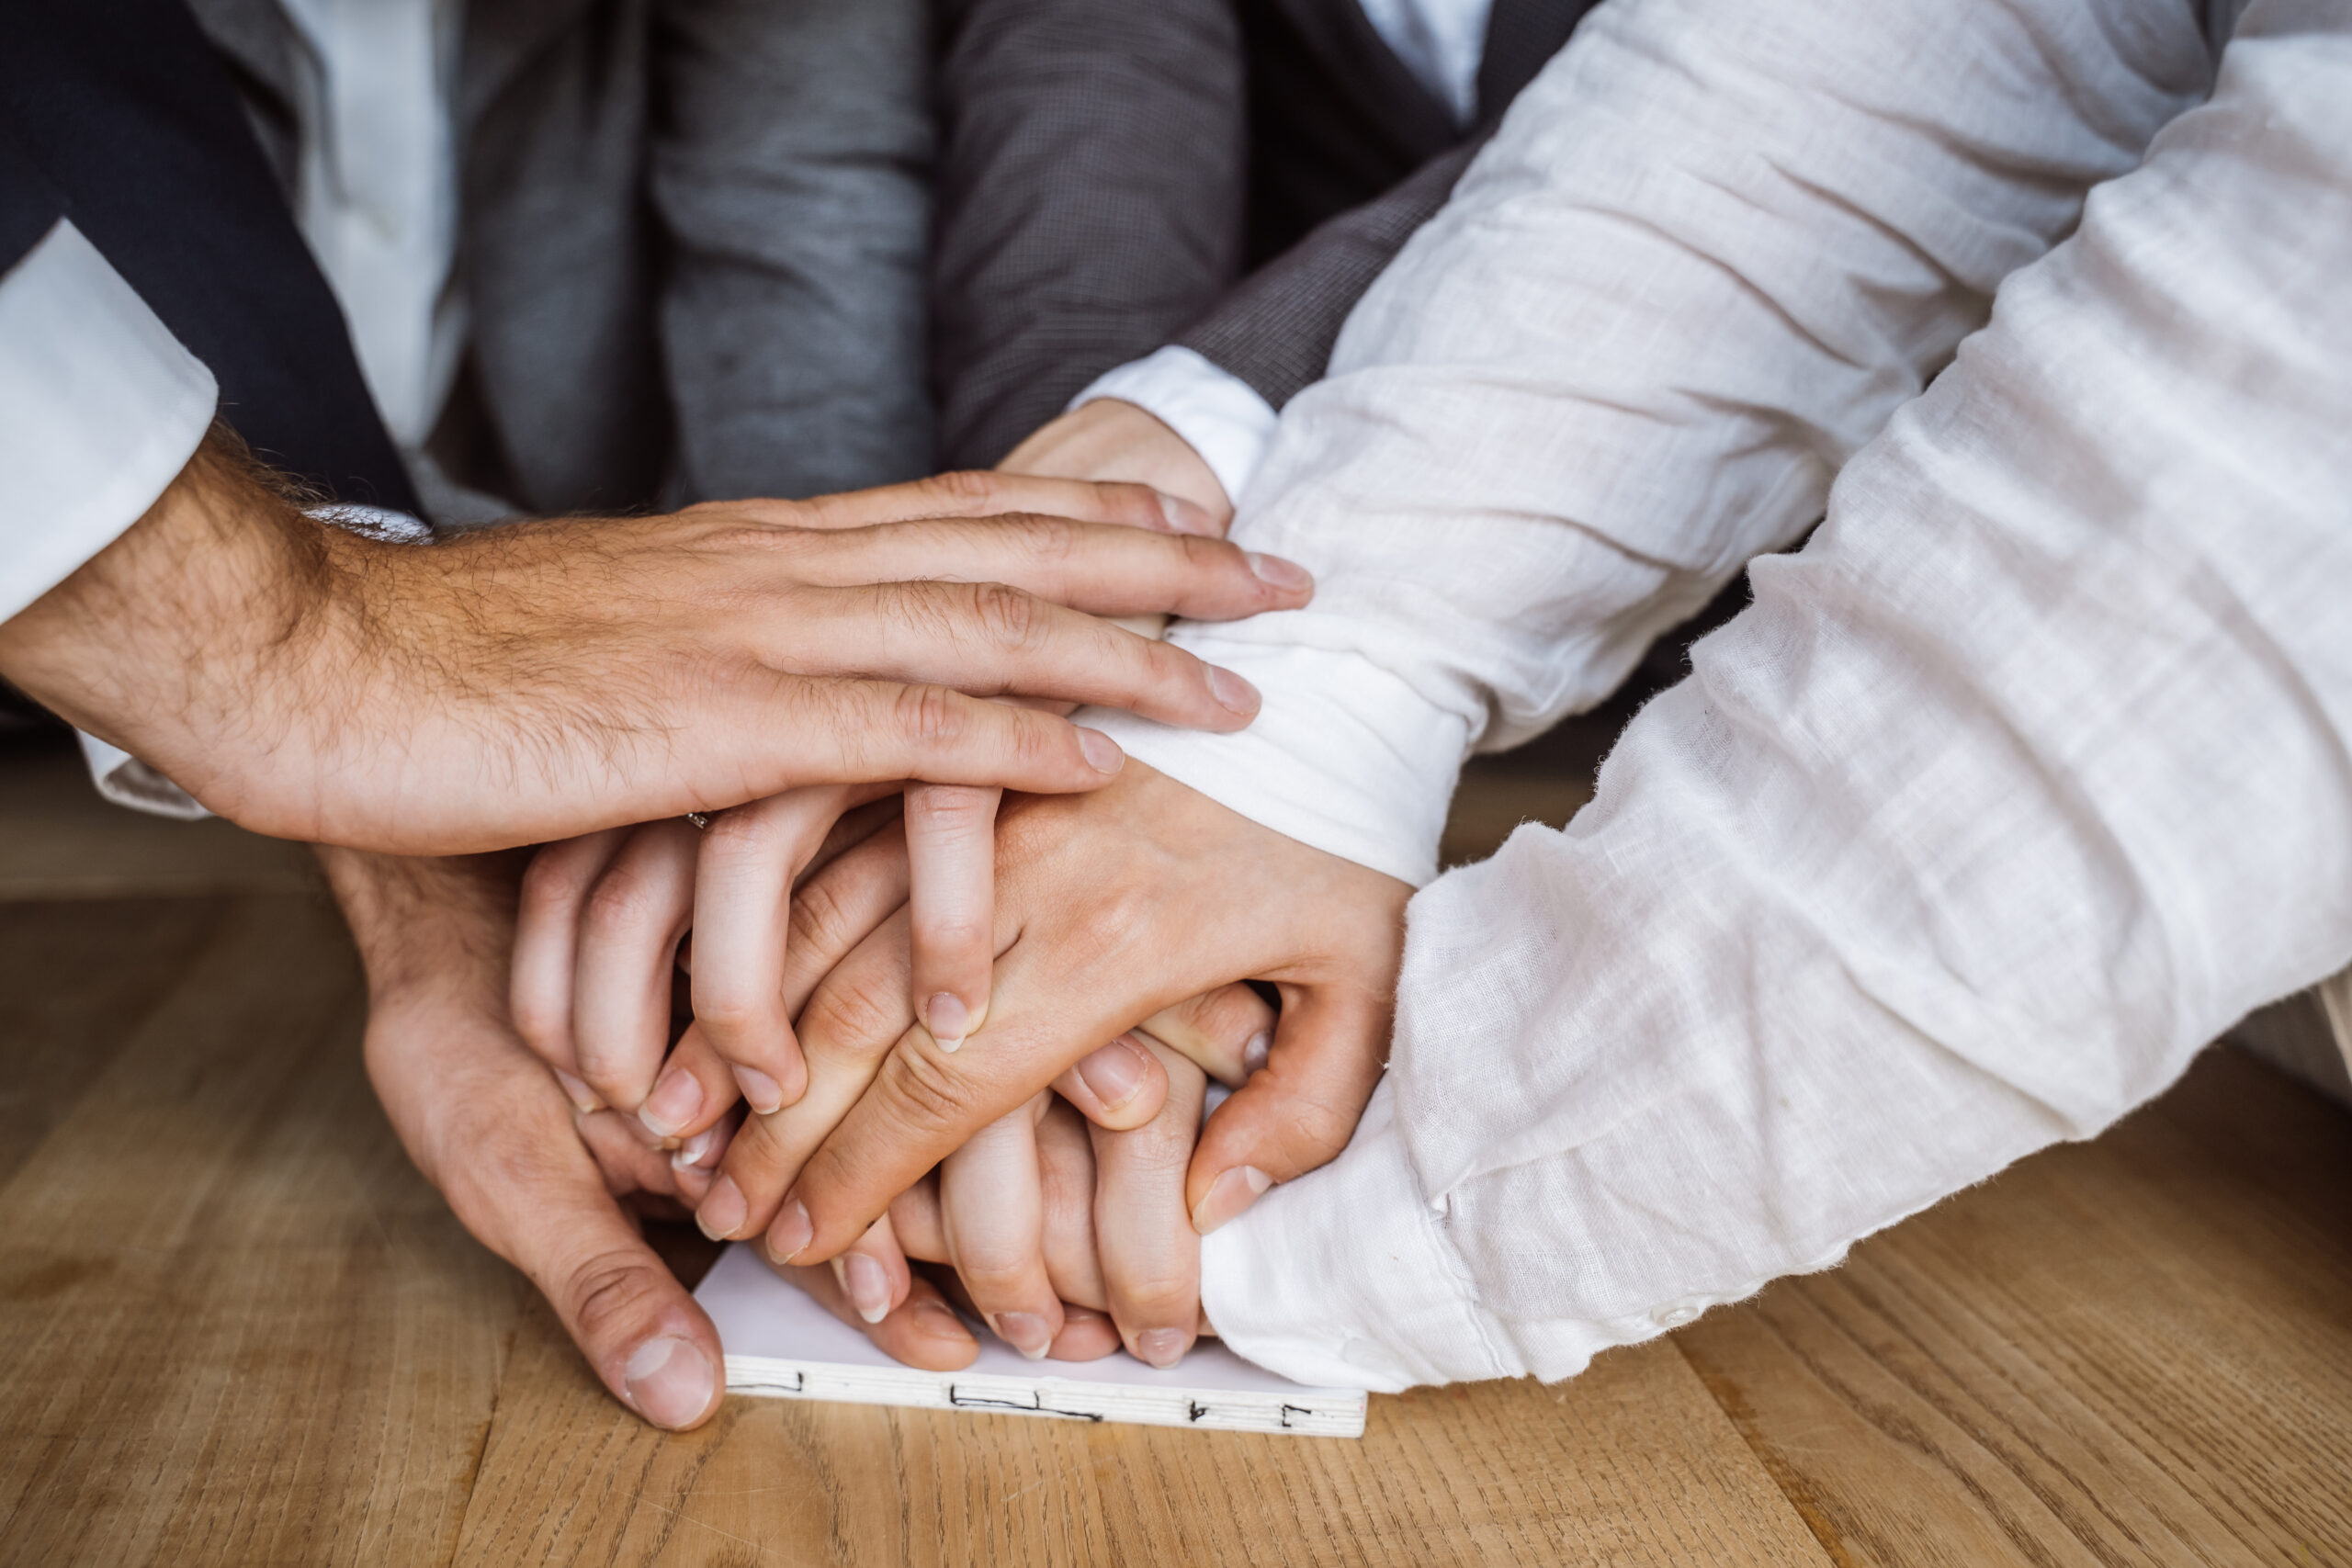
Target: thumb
(638, 1328)
(1298, 1111)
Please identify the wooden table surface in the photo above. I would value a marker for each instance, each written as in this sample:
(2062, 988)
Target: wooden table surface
(237, 1328)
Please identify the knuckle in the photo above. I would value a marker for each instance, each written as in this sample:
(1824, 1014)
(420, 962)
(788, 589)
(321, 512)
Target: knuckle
(745, 833)
(997, 1273)
(1231, 1014)
(1156, 1290)
(1165, 664)
(610, 1292)
(853, 1018)
(1051, 541)
(951, 808)
(1310, 1133)
(922, 1095)
(622, 901)
(817, 922)
(957, 933)
(552, 883)
(732, 1019)
(1010, 619)
(541, 1021)
(931, 715)
(964, 488)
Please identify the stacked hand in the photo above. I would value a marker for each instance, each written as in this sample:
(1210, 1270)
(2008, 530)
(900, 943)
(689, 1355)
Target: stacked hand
(816, 922)
(1129, 916)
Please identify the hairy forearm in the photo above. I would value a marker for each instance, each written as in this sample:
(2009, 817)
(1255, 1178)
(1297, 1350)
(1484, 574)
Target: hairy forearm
(153, 641)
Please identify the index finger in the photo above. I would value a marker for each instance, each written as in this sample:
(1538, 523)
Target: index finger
(975, 494)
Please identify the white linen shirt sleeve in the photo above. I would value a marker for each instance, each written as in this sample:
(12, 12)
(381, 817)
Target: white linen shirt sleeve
(2026, 778)
(1219, 415)
(1713, 248)
(100, 408)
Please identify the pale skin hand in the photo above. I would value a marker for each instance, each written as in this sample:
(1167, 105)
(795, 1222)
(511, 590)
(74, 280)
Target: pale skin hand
(531, 683)
(1062, 1254)
(1110, 908)
(1146, 1277)
(1100, 1213)
(1110, 439)
(859, 880)
(950, 827)
(538, 1184)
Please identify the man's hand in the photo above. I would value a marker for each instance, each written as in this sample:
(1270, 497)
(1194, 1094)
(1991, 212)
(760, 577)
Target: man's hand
(488, 1126)
(1110, 908)
(1111, 439)
(534, 682)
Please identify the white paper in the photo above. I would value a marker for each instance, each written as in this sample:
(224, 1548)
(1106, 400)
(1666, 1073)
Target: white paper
(782, 1343)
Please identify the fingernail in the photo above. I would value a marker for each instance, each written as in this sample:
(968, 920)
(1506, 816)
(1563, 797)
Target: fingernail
(672, 1103)
(581, 1094)
(792, 1232)
(1279, 574)
(1185, 516)
(1115, 1072)
(669, 1381)
(694, 1150)
(1163, 1348)
(939, 1320)
(867, 1284)
(647, 1135)
(722, 1209)
(947, 1018)
(1228, 1195)
(1102, 753)
(761, 1092)
(1024, 1331)
(1254, 1055)
(1232, 692)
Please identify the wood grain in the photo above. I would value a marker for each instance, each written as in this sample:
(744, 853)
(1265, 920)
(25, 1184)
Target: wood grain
(1632, 1463)
(2133, 1350)
(237, 1328)
(74, 980)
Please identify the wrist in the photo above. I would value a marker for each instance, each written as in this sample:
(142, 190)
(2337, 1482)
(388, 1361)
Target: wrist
(1345, 756)
(1214, 415)
(431, 931)
(1108, 438)
(177, 635)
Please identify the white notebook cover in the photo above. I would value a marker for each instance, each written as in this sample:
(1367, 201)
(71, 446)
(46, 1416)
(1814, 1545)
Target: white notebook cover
(782, 1344)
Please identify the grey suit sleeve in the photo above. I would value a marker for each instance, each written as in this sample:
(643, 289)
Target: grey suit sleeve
(1276, 329)
(1091, 199)
(789, 167)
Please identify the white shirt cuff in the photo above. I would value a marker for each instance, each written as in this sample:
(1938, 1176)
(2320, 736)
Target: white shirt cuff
(100, 408)
(1345, 757)
(1219, 414)
(125, 780)
(1345, 1278)
(1290, 1285)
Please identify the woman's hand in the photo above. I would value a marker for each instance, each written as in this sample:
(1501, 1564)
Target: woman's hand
(1109, 908)
(1068, 1240)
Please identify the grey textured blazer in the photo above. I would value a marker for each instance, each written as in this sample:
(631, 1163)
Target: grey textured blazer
(692, 232)
(1227, 175)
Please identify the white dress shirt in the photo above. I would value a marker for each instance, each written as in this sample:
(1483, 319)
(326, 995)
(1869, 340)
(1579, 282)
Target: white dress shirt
(377, 194)
(1220, 415)
(92, 383)
(2026, 777)
(100, 408)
